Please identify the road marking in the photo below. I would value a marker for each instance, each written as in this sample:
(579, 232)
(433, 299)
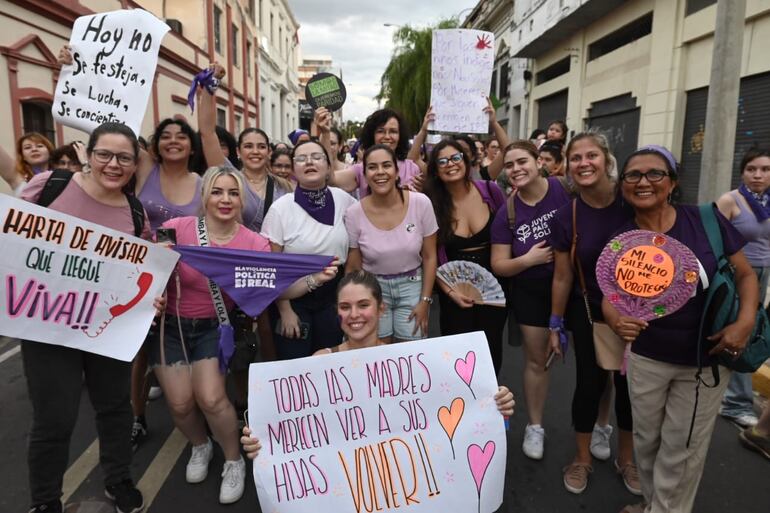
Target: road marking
(161, 466)
(79, 471)
(9, 354)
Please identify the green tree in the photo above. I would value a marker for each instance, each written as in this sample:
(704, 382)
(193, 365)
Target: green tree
(405, 84)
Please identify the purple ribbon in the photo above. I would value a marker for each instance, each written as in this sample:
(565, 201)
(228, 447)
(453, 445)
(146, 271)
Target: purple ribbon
(556, 323)
(206, 79)
(226, 346)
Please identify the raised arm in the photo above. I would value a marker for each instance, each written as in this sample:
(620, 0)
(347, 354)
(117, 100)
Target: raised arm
(496, 165)
(207, 122)
(8, 170)
(415, 154)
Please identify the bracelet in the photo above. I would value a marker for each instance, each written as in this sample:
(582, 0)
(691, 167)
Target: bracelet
(311, 283)
(427, 299)
(556, 323)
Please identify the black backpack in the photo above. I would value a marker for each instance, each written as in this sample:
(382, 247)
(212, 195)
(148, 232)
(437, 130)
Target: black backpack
(58, 181)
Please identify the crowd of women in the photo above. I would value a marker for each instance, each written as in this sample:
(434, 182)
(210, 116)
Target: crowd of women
(535, 213)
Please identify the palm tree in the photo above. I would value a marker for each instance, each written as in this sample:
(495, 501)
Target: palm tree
(405, 84)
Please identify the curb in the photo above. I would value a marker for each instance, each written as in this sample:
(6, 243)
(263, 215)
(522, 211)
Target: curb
(761, 380)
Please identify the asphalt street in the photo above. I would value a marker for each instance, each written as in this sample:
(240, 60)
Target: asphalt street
(735, 479)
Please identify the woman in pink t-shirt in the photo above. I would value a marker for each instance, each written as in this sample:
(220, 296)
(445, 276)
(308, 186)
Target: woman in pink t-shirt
(392, 234)
(186, 359)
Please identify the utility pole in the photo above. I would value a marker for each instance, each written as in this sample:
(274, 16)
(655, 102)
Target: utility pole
(722, 109)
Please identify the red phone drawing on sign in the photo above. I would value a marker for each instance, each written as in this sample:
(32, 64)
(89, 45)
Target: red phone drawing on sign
(143, 282)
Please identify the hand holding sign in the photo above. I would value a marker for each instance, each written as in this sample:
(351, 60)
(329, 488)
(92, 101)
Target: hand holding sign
(647, 275)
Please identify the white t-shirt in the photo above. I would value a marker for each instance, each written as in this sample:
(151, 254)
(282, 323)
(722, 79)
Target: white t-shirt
(287, 224)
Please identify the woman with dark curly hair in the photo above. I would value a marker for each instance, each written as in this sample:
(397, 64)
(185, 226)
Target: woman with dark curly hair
(384, 126)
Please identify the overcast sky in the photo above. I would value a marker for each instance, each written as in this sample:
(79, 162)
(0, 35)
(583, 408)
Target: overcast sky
(353, 35)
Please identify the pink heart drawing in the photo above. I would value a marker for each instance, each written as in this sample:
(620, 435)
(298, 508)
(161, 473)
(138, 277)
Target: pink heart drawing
(464, 368)
(478, 461)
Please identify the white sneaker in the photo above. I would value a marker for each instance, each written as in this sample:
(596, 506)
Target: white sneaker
(233, 481)
(534, 436)
(198, 466)
(154, 393)
(600, 442)
(744, 420)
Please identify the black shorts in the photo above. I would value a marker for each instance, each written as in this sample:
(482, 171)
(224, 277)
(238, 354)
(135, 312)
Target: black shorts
(531, 301)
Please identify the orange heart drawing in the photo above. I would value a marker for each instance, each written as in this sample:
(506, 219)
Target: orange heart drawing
(450, 417)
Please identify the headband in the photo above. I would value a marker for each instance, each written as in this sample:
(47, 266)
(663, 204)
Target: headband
(660, 150)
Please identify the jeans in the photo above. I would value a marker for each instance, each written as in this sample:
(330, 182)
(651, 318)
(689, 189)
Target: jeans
(739, 397)
(400, 295)
(55, 380)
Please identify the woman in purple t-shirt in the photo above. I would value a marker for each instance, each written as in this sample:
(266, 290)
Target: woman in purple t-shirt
(522, 250)
(392, 234)
(664, 352)
(598, 214)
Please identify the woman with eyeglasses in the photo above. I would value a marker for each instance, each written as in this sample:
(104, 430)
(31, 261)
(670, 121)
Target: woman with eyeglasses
(522, 251)
(392, 234)
(280, 164)
(465, 210)
(664, 352)
(56, 375)
(310, 221)
(384, 126)
(748, 209)
(598, 213)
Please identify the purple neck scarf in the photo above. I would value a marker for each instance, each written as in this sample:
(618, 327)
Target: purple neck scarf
(318, 204)
(759, 202)
(206, 79)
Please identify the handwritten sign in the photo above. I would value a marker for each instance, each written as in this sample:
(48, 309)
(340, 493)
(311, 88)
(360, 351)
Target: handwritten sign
(77, 284)
(461, 71)
(411, 425)
(646, 274)
(325, 90)
(110, 79)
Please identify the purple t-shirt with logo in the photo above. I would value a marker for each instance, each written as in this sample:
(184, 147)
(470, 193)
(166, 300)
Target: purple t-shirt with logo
(532, 226)
(595, 226)
(674, 338)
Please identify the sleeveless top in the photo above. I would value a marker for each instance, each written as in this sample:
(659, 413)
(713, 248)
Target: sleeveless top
(159, 209)
(254, 207)
(457, 247)
(757, 234)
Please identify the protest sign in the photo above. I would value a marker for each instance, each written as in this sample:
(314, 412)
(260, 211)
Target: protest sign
(114, 58)
(411, 425)
(73, 283)
(646, 274)
(325, 90)
(252, 279)
(461, 71)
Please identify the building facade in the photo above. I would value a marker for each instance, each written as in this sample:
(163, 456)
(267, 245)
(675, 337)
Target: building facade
(639, 70)
(278, 63)
(202, 31)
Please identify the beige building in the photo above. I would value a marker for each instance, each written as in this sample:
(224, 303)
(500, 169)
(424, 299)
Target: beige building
(639, 70)
(202, 31)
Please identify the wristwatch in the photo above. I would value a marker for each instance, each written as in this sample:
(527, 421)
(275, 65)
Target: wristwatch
(427, 299)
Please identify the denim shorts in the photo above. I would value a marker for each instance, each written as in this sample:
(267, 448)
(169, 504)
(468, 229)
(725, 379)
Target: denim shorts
(201, 341)
(400, 295)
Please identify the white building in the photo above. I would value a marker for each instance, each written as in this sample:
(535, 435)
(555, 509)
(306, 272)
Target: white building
(278, 61)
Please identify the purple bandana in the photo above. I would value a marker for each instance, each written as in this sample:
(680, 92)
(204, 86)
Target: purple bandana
(253, 279)
(663, 152)
(206, 79)
(759, 203)
(318, 204)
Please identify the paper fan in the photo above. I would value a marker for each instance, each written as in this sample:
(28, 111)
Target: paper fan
(647, 275)
(473, 281)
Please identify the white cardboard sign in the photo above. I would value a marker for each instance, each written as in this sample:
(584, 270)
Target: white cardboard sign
(461, 72)
(115, 54)
(410, 426)
(69, 282)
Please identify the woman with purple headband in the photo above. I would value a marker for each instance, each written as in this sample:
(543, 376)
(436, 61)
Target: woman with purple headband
(748, 209)
(670, 441)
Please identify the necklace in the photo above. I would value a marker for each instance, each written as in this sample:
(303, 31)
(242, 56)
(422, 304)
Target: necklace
(259, 183)
(225, 237)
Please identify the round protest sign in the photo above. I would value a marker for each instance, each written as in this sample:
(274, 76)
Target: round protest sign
(325, 90)
(647, 275)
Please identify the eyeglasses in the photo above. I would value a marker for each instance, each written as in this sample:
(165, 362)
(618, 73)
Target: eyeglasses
(652, 176)
(454, 159)
(315, 157)
(105, 156)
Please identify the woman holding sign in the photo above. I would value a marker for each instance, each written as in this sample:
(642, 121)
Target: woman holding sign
(55, 374)
(577, 238)
(520, 249)
(664, 351)
(393, 234)
(748, 209)
(360, 306)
